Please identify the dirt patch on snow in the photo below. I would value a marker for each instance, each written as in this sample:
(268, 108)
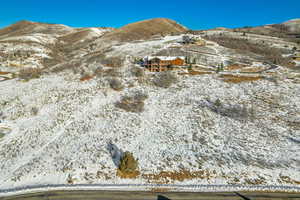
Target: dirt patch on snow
(86, 78)
(229, 78)
(193, 72)
(165, 177)
(252, 70)
(131, 175)
(234, 67)
(289, 180)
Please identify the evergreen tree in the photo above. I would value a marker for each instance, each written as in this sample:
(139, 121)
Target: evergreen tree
(194, 61)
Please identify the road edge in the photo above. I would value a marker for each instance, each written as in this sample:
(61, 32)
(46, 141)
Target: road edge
(148, 187)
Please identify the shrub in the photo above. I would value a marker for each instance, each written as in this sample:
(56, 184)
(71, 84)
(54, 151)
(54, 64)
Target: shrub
(128, 164)
(99, 71)
(140, 96)
(237, 112)
(218, 103)
(70, 179)
(133, 103)
(220, 68)
(112, 62)
(1, 113)
(116, 84)
(138, 72)
(29, 73)
(86, 77)
(34, 111)
(165, 79)
(75, 66)
(111, 72)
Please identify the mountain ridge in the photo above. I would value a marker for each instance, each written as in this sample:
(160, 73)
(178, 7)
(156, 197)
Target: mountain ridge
(128, 27)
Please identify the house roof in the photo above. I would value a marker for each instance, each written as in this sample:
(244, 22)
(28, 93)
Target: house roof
(169, 58)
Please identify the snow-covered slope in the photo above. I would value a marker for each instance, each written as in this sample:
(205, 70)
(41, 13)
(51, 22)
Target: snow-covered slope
(293, 25)
(238, 125)
(43, 45)
(179, 130)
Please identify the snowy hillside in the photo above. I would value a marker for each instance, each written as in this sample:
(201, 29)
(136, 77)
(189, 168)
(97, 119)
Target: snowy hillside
(229, 117)
(179, 130)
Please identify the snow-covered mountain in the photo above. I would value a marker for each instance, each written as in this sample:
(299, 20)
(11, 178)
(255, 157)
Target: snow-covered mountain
(231, 116)
(293, 25)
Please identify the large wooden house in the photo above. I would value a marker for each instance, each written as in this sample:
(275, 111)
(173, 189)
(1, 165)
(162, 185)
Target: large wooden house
(163, 63)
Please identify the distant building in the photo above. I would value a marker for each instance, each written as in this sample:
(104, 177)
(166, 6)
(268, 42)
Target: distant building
(163, 63)
(188, 40)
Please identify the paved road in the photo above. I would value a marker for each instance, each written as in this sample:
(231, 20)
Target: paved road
(118, 195)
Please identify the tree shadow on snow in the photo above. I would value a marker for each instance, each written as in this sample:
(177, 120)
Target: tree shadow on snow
(233, 111)
(115, 152)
